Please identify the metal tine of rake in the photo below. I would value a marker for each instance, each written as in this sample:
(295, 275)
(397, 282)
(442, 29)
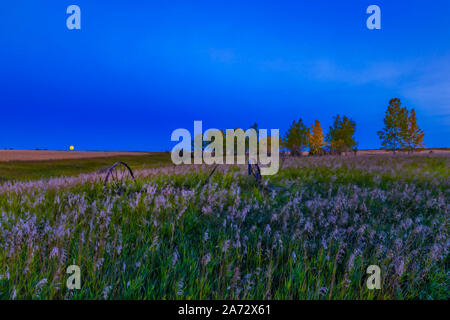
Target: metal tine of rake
(210, 175)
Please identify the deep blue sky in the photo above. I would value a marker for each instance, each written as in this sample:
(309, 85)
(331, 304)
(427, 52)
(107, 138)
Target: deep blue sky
(137, 70)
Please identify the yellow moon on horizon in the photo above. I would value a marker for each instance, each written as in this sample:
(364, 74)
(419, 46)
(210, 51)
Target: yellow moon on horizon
(71, 148)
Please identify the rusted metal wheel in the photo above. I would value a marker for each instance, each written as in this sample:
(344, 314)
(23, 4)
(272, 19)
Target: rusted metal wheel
(119, 177)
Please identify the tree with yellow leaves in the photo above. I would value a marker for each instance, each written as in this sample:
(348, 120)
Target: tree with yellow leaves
(412, 135)
(316, 139)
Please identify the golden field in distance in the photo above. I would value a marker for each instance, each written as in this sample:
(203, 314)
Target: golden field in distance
(44, 155)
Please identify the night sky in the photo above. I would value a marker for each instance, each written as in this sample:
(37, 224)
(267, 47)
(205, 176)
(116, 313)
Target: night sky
(137, 70)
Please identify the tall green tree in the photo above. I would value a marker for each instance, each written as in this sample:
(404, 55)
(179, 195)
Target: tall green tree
(341, 134)
(296, 138)
(412, 135)
(395, 124)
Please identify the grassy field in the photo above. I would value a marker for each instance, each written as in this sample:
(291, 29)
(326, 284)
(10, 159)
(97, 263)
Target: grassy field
(32, 170)
(176, 235)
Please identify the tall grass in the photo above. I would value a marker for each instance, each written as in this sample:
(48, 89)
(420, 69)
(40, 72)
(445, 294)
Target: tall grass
(175, 235)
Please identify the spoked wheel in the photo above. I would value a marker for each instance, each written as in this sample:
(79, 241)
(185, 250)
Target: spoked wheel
(119, 177)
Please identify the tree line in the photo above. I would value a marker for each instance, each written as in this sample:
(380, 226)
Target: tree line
(340, 137)
(400, 133)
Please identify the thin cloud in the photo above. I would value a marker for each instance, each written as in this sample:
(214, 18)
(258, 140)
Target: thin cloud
(222, 55)
(431, 88)
(426, 83)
